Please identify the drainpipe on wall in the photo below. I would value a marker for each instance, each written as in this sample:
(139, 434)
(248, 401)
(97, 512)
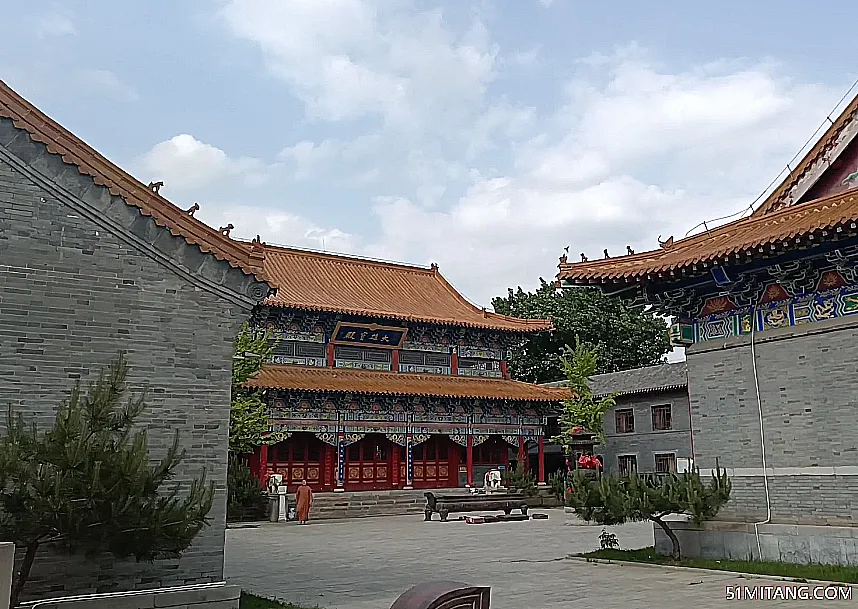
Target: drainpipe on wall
(762, 434)
(690, 420)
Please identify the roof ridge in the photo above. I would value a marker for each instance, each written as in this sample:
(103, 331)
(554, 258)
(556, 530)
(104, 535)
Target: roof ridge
(449, 307)
(62, 141)
(749, 233)
(347, 258)
(386, 382)
(644, 368)
(487, 314)
(819, 148)
(779, 216)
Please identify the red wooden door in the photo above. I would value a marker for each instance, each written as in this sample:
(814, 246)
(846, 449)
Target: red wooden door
(494, 452)
(369, 463)
(436, 463)
(301, 457)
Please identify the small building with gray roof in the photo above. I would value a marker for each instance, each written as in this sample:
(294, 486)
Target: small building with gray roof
(650, 427)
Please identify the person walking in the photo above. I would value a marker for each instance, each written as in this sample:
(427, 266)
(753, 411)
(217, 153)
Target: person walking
(303, 501)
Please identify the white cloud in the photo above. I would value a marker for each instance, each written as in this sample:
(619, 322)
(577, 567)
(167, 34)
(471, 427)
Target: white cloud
(107, 83)
(280, 228)
(185, 163)
(348, 59)
(640, 153)
(54, 23)
(491, 188)
(546, 3)
(526, 58)
(305, 158)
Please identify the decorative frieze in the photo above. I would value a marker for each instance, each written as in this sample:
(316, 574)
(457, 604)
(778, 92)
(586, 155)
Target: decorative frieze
(363, 416)
(362, 365)
(778, 309)
(480, 352)
(426, 346)
(299, 361)
(298, 336)
(419, 369)
(308, 325)
(477, 372)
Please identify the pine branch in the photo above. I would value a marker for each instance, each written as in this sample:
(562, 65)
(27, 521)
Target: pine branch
(84, 483)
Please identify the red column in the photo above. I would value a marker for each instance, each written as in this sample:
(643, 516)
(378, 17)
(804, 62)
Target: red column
(504, 370)
(541, 479)
(331, 355)
(263, 463)
(328, 466)
(394, 364)
(253, 463)
(522, 452)
(454, 364)
(470, 460)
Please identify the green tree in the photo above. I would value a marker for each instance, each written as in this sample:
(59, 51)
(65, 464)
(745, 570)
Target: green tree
(87, 486)
(582, 409)
(628, 337)
(522, 481)
(245, 498)
(248, 417)
(608, 499)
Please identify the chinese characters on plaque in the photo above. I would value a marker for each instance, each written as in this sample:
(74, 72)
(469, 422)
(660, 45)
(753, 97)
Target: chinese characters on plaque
(369, 335)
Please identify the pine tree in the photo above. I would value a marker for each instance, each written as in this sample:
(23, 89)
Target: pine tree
(611, 499)
(87, 485)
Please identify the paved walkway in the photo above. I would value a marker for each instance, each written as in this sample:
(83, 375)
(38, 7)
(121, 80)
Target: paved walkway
(367, 563)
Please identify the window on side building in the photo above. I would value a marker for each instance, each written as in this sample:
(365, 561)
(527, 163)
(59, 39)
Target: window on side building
(661, 418)
(625, 420)
(627, 464)
(665, 463)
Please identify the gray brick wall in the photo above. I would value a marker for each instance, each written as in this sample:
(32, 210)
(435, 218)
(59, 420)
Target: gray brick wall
(645, 442)
(811, 500)
(74, 291)
(808, 382)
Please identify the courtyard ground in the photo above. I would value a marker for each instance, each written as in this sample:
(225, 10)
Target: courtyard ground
(367, 563)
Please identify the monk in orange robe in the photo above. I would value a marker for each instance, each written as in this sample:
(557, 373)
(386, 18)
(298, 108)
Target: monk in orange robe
(303, 501)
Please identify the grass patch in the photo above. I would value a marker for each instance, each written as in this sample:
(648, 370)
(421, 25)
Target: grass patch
(251, 601)
(832, 573)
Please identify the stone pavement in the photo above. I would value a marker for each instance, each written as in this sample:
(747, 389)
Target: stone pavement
(367, 563)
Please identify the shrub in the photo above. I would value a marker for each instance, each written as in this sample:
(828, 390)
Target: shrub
(89, 485)
(608, 499)
(522, 480)
(246, 498)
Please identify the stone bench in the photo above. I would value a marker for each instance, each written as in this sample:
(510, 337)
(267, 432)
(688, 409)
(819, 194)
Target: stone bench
(447, 504)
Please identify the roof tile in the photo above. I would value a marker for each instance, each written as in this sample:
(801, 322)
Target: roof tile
(739, 236)
(341, 284)
(342, 380)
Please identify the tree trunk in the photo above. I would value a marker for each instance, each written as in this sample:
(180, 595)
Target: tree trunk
(24, 573)
(674, 554)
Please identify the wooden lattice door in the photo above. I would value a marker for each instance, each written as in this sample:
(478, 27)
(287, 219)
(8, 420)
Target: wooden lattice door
(436, 463)
(301, 457)
(369, 463)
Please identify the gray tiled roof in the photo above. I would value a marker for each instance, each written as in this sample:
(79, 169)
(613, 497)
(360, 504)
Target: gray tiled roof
(663, 377)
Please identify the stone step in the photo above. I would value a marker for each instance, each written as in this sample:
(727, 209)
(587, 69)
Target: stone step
(361, 504)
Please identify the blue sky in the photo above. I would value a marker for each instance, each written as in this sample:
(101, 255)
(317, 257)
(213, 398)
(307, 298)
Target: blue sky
(484, 136)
